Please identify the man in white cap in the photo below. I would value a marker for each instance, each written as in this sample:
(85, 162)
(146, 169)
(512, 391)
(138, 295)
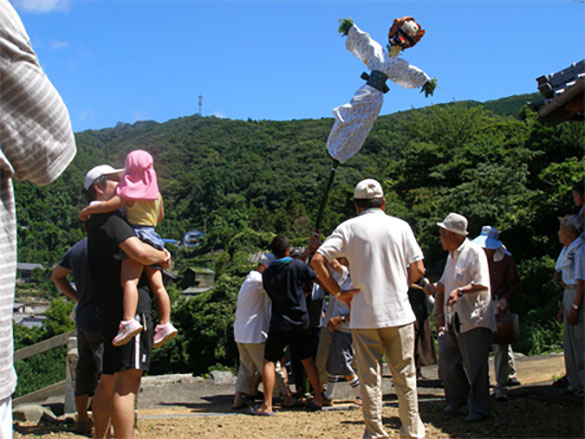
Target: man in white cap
(465, 303)
(384, 259)
(505, 286)
(122, 366)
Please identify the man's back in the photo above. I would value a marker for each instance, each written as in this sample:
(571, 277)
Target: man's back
(379, 249)
(284, 281)
(77, 260)
(252, 311)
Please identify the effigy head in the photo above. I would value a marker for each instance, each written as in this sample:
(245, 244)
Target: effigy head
(404, 33)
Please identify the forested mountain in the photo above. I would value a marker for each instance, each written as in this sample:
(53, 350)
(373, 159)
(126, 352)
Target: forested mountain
(240, 181)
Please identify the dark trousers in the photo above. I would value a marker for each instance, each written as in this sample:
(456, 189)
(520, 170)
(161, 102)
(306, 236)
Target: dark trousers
(464, 369)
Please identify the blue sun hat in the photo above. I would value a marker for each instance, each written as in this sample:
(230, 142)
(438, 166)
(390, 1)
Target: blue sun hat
(488, 238)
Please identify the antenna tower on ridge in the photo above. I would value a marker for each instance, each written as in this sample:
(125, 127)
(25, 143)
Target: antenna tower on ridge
(200, 105)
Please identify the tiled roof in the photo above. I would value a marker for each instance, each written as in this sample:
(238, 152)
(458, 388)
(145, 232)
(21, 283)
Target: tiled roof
(564, 95)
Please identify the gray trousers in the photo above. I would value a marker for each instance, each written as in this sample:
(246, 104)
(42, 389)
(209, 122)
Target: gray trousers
(573, 343)
(504, 364)
(464, 369)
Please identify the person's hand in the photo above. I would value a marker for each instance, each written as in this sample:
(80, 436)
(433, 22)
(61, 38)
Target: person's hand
(83, 215)
(333, 322)
(430, 289)
(167, 260)
(560, 315)
(502, 305)
(347, 295)
(573, 317)
(442, 331)
(556, 278)
(453, 297)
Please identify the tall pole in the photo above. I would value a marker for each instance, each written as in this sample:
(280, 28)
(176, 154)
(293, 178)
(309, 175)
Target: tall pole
(334, 165)
(200, 105)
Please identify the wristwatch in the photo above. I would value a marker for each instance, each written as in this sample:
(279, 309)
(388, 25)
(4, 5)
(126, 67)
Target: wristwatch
(460, 292)
(338, 293)
(575, 307)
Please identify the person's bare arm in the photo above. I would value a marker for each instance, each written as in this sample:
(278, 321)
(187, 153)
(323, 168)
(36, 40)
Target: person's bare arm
(416, 270)
(319, 264)
(59, 278)
(102, 207)
(144, 253)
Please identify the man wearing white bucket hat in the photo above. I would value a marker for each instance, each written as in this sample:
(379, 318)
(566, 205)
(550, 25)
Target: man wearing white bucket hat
(464, 302)
(505, 286)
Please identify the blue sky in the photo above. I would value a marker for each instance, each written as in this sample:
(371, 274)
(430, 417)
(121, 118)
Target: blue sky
(123, 61)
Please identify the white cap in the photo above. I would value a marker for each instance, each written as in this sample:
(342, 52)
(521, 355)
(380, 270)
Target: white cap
(94, 173)
(367, 190)
(455, 223)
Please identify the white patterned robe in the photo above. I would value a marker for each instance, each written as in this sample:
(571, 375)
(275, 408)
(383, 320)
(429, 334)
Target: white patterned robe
(36, 144)
(354, 120)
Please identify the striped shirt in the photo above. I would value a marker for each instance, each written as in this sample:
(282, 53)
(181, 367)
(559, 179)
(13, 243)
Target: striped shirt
(36, 144)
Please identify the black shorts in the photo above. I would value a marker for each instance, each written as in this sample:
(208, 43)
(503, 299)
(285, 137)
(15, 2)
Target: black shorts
(299, 340)
(90, 349)
(134, 354)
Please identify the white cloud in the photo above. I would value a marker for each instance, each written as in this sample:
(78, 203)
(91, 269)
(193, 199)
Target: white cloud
(219, 114)
(41, 5)
(57, 45)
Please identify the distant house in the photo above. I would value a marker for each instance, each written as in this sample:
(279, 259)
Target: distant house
(24, 271)
(31, 315)
(197, 280)
(564, 95)
(30, 320)
(30, 308)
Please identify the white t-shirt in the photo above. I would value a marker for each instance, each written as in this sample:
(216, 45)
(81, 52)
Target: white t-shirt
(468, 264)
(379, 249)
(252, 311)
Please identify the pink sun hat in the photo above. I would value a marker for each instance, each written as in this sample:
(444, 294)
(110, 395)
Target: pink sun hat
(139, 179)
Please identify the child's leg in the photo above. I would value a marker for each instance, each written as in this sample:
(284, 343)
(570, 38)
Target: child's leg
(131, 271)
(159, 291)
(354, 382)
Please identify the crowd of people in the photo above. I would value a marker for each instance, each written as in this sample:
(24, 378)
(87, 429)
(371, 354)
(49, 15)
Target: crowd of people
(369, 269)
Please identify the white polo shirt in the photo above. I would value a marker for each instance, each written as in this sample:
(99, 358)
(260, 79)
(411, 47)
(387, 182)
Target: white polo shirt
(252, 311)
(468, 264)
(379, 249)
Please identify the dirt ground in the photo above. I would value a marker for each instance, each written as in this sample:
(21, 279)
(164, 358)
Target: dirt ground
(200, 409)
